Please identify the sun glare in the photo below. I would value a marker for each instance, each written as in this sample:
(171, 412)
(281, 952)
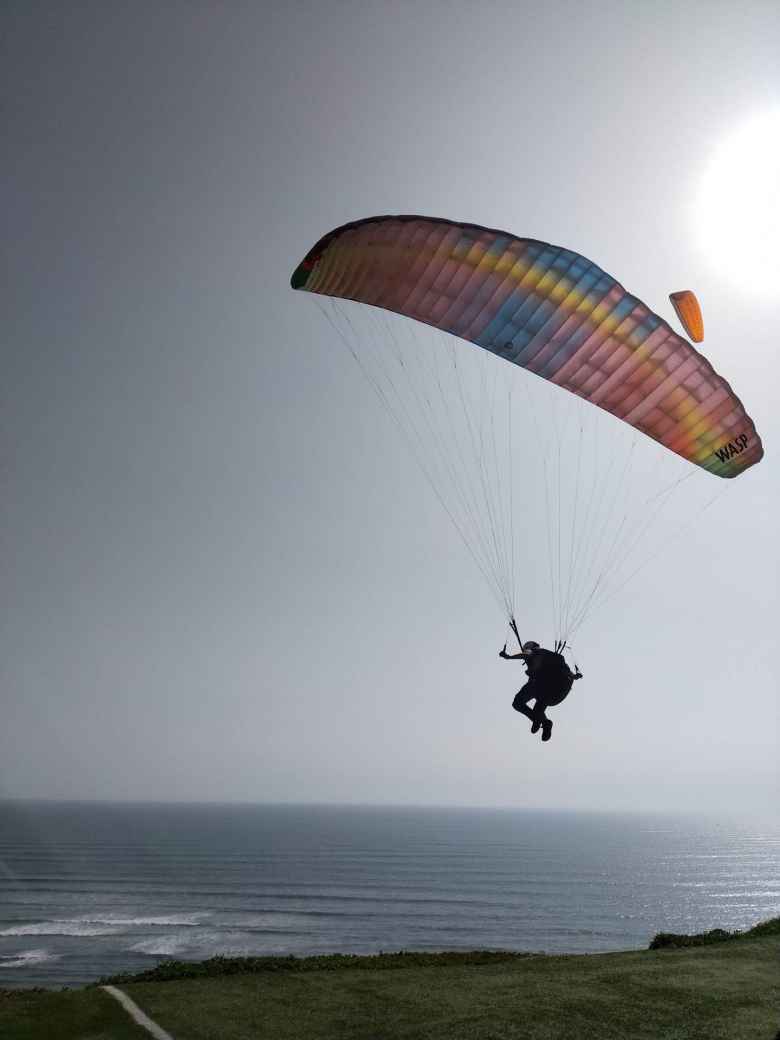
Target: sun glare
(739, 206)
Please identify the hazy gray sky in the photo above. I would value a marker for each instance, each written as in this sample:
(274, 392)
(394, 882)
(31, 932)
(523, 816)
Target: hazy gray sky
(222, 575)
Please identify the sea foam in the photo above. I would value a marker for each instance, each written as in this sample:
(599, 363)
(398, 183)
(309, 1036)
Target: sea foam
(27, 958)
(102, 924)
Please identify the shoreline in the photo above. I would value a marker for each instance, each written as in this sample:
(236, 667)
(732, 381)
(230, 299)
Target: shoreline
(716, 985)
(216, 967)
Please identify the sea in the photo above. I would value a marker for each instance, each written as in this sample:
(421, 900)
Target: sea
(93, 889)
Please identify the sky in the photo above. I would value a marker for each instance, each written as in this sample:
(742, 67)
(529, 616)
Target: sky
(223, 577)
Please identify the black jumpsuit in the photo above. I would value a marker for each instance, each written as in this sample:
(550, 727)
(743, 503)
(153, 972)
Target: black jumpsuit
(549, 683)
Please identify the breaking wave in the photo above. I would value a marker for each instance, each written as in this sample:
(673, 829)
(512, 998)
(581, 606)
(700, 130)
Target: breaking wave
(27, 958)
(103, 924)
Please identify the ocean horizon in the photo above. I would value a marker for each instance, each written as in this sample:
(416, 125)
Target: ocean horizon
(94, 888)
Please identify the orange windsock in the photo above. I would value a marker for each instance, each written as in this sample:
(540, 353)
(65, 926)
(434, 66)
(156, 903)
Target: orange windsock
(689, 313)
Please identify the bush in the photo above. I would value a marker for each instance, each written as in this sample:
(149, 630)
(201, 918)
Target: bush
(217, 966)
(666, 940)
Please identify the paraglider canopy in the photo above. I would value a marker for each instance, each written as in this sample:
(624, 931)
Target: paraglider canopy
(689, 312)
(550, 311)
(523, 462)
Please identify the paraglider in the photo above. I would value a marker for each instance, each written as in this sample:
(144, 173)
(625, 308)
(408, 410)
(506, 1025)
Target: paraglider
(549, 682)
(689, 312)
(546, 309)
(557, 315)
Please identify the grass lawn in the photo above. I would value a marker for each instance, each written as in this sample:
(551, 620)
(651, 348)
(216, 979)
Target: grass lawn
(78, 1014)
(720, 991)
(729, 991)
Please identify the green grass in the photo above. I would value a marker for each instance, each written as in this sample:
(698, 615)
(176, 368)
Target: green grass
(721, 989)
(728, 991)
(78, 1014)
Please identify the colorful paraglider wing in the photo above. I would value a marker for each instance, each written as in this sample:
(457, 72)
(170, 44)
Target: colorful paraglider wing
(548, 310)
(689, 312)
